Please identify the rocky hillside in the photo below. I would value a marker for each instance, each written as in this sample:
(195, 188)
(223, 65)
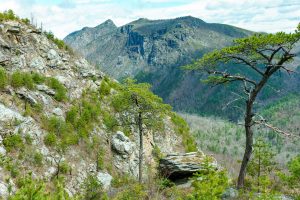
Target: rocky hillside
(154, 50)
(56, 117)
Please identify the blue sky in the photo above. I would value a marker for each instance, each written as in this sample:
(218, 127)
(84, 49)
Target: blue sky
(65, 16)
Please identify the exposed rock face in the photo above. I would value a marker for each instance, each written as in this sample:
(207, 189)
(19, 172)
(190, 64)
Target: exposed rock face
(179, 166)
(154, 50)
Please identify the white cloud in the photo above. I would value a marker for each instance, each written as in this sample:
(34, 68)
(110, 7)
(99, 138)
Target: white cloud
(71, 15)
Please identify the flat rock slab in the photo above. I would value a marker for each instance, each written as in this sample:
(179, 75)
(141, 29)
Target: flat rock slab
(183, 165)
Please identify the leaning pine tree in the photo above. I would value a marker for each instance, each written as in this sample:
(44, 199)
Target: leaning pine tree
(260, 54)
(147, 110)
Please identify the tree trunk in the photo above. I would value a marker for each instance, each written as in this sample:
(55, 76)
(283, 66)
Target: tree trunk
(248, 129)
(140, 124)
(248, 149)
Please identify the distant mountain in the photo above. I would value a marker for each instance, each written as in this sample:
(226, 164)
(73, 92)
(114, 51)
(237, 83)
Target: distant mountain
(154, 50)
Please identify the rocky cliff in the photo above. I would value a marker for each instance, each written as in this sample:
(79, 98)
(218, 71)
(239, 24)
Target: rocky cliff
(154, 50)
(55, 115)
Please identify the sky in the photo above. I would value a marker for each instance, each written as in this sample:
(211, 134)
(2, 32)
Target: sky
(65, 16)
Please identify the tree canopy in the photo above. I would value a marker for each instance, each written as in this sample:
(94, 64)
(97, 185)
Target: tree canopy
(134, 98)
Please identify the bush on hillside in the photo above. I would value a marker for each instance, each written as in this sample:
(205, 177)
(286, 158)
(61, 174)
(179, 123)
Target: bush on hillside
(3, 78)
(60, 90)
(20, 79)
(13, 141)
(183, 129)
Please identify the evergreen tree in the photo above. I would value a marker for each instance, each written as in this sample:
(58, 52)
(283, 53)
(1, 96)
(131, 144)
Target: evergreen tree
(261, 165)
(292, 179)
(250, 62)
(146, 108)
(209, 183)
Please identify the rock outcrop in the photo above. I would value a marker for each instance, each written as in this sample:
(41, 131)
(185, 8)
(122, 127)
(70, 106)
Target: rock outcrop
(122, 144)
(183, 165)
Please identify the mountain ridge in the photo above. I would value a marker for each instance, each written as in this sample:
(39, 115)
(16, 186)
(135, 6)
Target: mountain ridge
(153, 51)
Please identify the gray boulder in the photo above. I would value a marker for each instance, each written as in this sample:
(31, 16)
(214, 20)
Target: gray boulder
(58, 112)
(45, 89)
(122, 144)
(105, 179)
(8, 115)
(54, 59)
(230, 193)
(24, 94)
(38, 63)
(52, 55)
(3, 58)
(14, 29)
(3, 190)
(2, 150)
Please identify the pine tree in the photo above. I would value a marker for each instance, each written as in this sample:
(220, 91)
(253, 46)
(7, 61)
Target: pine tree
(261, 165)
(209, 183)
(148, 109)
(260, 56)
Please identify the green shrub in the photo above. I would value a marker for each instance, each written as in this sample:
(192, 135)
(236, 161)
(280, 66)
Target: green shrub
(291, 179)
(14, 170)
(38, 158)
(100, 159)
(60, 43)
(156, 152)
(17, 79)
(8, 15)
(132, 192)
(57, 126)
(71, 115)
(60, 90)
(84, 115)
(3, 78)
(164, 183)
(209, 183)
(28, 81)
(25, 21)
(109, 121)
(104, 89)
(13, 141)
(30, 189)
(92, 189)
(64, 168)
(121, 180)
(10, 166)
(183, 129)
(37, 78)
(60, 132)
(28, 139)
(50, 139)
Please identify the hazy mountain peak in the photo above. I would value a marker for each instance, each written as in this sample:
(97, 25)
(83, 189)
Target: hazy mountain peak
(108, 22)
